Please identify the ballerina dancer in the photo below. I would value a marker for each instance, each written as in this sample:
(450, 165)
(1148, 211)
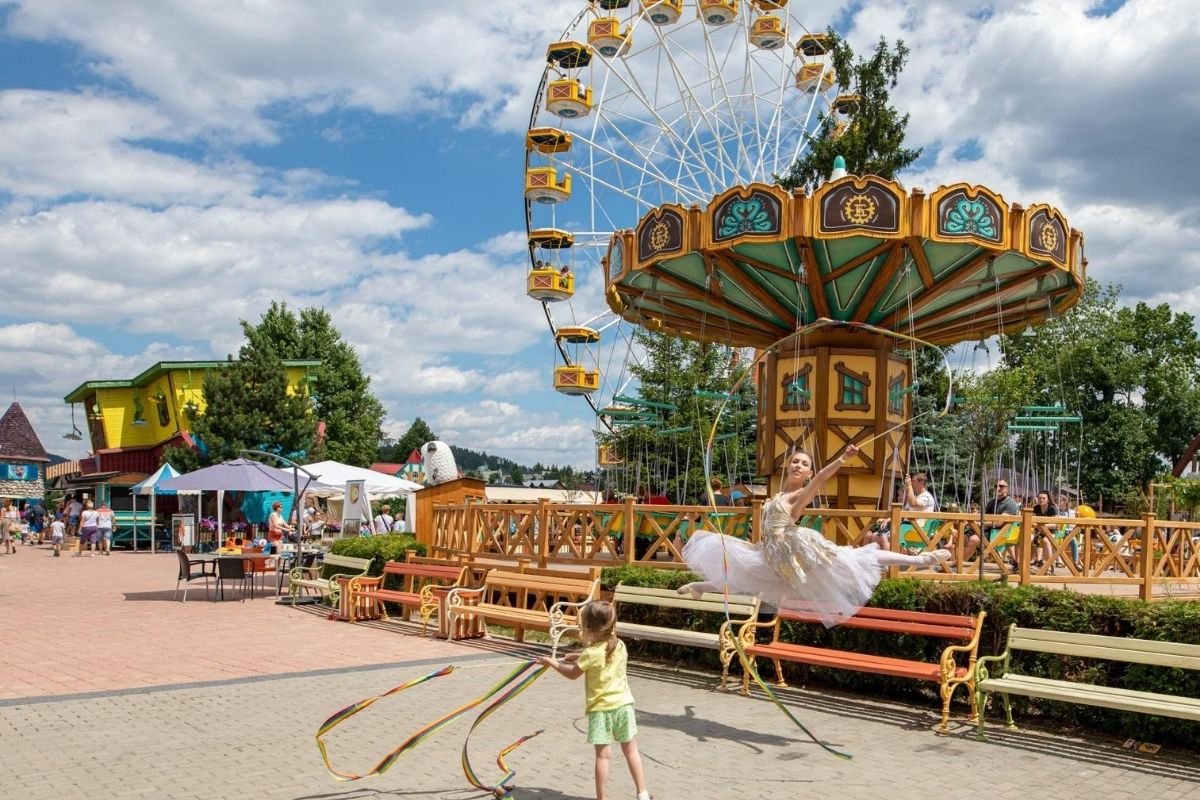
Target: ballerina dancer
(795, 567)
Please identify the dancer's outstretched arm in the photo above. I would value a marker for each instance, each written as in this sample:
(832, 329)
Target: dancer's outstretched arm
(800, 500)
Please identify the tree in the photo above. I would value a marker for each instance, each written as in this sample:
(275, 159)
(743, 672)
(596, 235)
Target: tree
(417, 434)
(989, 401)
(682, 385)
(873, 142)
(1132, 374)
(341, 391)
(248, 406)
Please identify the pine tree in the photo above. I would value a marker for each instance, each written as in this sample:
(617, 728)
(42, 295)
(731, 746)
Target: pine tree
(417, 434)
(694, 378)
(873, 142)
(341, 391)
(248, 406)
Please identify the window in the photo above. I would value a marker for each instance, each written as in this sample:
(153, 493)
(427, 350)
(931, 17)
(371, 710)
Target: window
(853, 390)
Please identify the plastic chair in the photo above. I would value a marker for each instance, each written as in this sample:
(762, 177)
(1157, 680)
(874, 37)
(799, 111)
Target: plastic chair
(192, 571)
(233, 569)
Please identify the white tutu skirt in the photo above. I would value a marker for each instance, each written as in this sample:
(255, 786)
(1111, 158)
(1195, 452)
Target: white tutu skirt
(832, 589)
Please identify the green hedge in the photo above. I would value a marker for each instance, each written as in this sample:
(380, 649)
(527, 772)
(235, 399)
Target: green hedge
(1030, 607)
(380, 549)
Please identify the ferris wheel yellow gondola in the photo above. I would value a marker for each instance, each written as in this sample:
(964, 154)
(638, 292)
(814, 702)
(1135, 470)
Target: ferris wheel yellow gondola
(718, 12)
(544, 183)
(767, 32)
(605, 34)
(574, 378)
(663, 12)
(815, 76)
(549, 279)
(608, 458)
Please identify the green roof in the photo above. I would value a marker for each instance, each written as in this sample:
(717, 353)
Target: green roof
(80, 392)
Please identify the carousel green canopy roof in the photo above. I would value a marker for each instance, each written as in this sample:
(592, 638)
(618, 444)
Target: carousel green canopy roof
(759, 262)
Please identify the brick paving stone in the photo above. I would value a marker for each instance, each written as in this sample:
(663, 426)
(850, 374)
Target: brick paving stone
(167, 718)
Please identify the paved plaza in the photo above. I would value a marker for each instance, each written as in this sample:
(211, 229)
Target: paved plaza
(113, 690)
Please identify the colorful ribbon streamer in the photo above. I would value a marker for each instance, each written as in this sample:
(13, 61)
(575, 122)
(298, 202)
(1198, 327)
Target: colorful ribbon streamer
(524, 674)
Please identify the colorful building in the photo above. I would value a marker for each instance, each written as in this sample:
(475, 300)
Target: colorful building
(130, 422)
(23, 460)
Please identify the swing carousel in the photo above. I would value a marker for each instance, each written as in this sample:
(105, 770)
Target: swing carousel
(650, 161)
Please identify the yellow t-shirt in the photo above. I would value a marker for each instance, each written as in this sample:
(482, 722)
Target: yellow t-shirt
(604, 683)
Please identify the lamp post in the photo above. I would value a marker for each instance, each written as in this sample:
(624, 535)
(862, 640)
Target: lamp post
(296, 470)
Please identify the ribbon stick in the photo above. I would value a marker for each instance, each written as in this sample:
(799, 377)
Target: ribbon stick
(501, 788)
(428, 730)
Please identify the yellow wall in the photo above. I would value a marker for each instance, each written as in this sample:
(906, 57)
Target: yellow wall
(117, 407)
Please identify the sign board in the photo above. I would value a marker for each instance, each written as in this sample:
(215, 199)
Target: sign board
(183, 530)
(355, 509)
(10, 471)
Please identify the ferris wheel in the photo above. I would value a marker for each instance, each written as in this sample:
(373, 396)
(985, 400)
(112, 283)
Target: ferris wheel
(644, 103)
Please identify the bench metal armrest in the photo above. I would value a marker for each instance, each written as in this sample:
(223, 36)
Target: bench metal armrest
(457, 596)
(747, 630)
(981, 670)
(363, 582)
(559, 610)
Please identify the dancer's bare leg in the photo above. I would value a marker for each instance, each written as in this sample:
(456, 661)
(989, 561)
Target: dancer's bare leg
(697, 588)
(889, 559)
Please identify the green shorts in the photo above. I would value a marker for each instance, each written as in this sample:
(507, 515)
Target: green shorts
(617, 725)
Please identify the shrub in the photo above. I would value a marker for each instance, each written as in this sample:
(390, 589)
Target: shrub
(1028, 606)
(380, 549)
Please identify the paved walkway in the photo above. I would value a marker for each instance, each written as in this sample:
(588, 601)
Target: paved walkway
(228, 708)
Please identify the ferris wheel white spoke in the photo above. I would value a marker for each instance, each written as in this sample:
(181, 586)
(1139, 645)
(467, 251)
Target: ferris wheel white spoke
(690, 101)
(698, 192)
(656, 173)
(664, 128)
(718, 70)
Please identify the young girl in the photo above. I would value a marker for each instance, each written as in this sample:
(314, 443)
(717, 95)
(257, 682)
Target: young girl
(794, 566)
(609, 701)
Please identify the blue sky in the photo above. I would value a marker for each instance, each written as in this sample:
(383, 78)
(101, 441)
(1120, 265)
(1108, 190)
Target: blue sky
(167, 168)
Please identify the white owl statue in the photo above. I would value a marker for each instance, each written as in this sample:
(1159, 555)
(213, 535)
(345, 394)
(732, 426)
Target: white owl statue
(439, 463)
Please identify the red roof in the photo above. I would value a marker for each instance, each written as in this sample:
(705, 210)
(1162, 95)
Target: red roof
(387, 468)
(17, 439)
(414, 457)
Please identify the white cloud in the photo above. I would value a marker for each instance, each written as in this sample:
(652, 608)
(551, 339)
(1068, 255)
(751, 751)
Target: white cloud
(134, 207)
(220, 69)
(56, 144)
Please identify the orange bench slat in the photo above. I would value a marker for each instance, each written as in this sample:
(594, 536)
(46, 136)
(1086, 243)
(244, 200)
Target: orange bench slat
(845, 659)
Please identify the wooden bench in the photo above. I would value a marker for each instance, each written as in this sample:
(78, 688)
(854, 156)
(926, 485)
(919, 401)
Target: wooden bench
(741, 609)
(418, 579)
(332, 566)
(1086, 645)
(946, 672)
(541, 602)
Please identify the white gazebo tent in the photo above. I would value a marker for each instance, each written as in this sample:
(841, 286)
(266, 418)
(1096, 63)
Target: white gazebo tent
(151, 486)
(377, 484)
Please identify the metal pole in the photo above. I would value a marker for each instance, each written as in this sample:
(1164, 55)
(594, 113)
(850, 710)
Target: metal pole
(296, 470)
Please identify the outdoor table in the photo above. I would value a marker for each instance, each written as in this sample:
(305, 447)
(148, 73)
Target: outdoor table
(213, 558)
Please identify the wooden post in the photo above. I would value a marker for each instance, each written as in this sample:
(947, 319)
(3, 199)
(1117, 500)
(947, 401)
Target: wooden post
(630, 531)
(1147, 563)
(894, 523)
(543, 543)
(472, 532)
(755, 532)
(1025, 545)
